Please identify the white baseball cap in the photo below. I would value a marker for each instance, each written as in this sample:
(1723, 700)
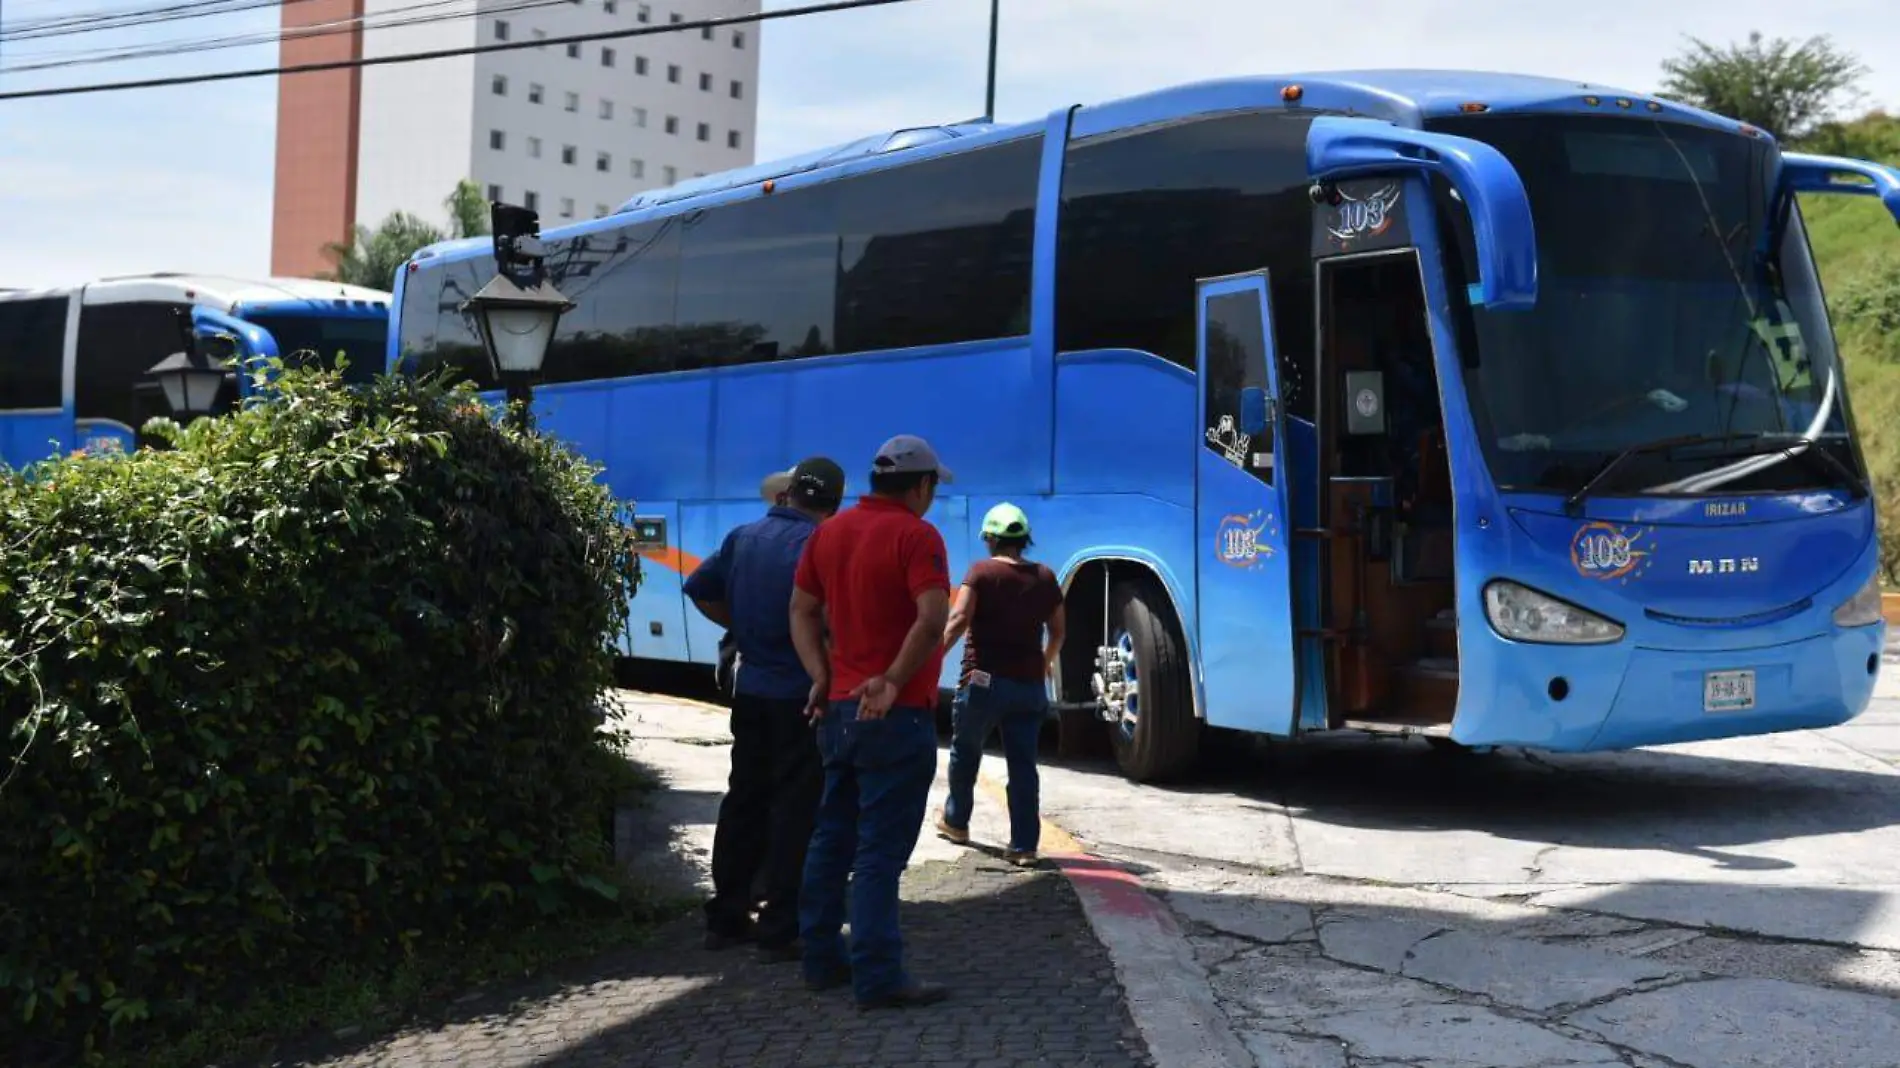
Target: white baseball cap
(906, 454)
(775, 484)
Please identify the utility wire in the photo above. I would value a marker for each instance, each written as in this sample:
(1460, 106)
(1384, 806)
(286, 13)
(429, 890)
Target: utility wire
(392, 18)
(127, 18)
(452, 53)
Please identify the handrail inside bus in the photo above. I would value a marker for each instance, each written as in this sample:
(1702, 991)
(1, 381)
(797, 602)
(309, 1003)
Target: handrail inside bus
(1803, 173)
(1501, 224)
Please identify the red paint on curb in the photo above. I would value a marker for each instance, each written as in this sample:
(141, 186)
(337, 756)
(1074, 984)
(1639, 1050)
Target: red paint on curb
(1113, 889)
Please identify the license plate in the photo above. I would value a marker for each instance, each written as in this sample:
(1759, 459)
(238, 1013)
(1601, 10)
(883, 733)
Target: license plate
(1728, 691)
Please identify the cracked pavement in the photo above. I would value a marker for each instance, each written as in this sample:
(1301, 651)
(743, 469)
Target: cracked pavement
(1358, 902)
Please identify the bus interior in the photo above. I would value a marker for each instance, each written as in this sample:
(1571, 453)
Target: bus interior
(1387, 594)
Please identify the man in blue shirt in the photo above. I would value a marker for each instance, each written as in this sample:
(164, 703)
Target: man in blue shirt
(765, 821)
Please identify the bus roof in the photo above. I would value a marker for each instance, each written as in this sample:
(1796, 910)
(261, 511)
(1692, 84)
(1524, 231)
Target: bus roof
(224, 292)
(1401, 96)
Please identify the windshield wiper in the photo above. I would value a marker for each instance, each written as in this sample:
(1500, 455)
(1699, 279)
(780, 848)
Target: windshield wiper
(1575, 501)
(1801, 445)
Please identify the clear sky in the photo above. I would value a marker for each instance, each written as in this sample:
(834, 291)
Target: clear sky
(180, 178)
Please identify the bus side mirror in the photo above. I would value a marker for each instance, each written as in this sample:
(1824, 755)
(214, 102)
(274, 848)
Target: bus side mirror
(1253, 411)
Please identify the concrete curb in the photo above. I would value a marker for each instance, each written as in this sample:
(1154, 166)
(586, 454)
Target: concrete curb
(1167, 989)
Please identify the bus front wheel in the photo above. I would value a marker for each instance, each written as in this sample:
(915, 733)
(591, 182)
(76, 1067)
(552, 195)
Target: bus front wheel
(1151, 704)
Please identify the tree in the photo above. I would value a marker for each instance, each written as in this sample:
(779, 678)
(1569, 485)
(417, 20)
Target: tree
(1784, 87)
(468, 210)
(373, 257)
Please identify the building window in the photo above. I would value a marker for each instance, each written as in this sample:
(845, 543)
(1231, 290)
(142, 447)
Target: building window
(535, 92)
(606, 109)
(606, 57)
(674, 18)
(601, 211)
(669, 175)
(573, 102)
(705, 82)
(541, 35)
(567, 207)
(603, 163)
(705, 33)
(496, 140)
(643, 13)
(704, 132)
(534, 148)
(531, 200)
(574, 50)
(738, 38)
(498, 85)
(640, 117)
(609, 6)
(638, 167)
(494, 192)
(732, 139)
(640, 65)
(672, 124)
(568, 154)
(501, 29)
(738, 91)
(673, 73)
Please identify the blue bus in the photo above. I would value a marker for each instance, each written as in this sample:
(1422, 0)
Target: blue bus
(1499, 410)
(73, 360)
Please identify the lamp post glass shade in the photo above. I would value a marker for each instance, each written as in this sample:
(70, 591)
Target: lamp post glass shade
(190, 383)
(517, 324)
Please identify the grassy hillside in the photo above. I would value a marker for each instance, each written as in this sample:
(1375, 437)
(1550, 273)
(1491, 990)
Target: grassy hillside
(1858, 247)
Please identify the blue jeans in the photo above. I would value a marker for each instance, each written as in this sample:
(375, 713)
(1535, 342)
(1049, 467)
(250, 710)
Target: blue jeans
(877, 785)
(1018, 709)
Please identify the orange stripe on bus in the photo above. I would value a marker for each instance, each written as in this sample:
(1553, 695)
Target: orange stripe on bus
(683, 563)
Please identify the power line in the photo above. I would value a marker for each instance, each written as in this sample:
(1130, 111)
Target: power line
(451, 53)
(392, 18)
(68, 24)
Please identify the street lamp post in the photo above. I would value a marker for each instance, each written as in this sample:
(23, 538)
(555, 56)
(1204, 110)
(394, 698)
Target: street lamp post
(517, 311)
(190, 382)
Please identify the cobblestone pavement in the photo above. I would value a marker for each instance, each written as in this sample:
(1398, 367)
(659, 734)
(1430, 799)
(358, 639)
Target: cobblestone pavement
(1029, 983)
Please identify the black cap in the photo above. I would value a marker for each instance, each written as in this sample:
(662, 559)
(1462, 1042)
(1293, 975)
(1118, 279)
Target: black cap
(816, 481)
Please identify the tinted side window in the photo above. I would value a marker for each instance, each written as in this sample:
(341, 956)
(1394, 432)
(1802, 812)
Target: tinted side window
(435, 333)
(940, 251)
(1236, 359)
(1146, 213)
(118, 343)
(623, 284)
(32, 352)
(758, 279)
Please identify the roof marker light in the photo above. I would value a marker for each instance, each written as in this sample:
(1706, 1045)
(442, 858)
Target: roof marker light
(1653, 106)
(769, 186)
(1473, 107)
(1623, 103)
(1592, 100)
(1750, 130)
(1291, 93)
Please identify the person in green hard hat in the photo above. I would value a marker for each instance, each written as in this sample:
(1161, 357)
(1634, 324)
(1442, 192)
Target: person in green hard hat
(1008, 613)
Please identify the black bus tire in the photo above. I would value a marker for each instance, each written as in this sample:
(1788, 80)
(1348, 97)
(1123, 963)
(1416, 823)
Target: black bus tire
(1167, 736)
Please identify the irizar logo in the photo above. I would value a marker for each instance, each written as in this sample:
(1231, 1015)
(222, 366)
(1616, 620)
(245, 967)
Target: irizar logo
(1725, 566)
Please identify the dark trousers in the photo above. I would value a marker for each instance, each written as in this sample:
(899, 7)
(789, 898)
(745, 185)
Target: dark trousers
(877, 784)
(766, 818)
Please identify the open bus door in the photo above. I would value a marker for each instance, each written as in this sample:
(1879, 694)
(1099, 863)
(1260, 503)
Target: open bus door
(1243, 575)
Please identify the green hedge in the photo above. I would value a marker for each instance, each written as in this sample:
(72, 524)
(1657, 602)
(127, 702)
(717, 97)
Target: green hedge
(318, 683)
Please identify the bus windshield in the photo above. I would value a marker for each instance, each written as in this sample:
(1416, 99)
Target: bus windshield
(361, 340)
(1677, 300)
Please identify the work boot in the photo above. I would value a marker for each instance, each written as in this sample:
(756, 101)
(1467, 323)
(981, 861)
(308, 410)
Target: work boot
(952, 834)
(1022, 858)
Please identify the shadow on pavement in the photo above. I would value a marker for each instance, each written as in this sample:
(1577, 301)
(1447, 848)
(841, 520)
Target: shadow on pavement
(1029, 984)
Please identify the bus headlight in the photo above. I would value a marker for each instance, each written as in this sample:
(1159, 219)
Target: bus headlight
(1863, 609)
(1524, 615)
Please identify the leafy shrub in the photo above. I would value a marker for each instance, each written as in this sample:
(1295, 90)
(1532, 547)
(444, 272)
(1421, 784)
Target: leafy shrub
(317, 683)
(1867, 303)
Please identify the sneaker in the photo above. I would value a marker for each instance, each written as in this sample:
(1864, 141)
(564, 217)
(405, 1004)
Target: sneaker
(952, 834)
(1022, 858)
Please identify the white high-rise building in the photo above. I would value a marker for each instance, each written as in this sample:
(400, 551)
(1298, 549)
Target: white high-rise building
(570, 130)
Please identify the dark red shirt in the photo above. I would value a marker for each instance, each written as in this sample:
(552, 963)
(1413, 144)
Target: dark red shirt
(1014, 599)
(868, 565)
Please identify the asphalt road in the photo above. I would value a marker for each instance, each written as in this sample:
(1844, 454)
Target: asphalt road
(1355, 901)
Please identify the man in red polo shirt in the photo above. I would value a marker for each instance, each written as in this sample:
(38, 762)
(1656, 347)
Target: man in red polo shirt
(879, 572)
